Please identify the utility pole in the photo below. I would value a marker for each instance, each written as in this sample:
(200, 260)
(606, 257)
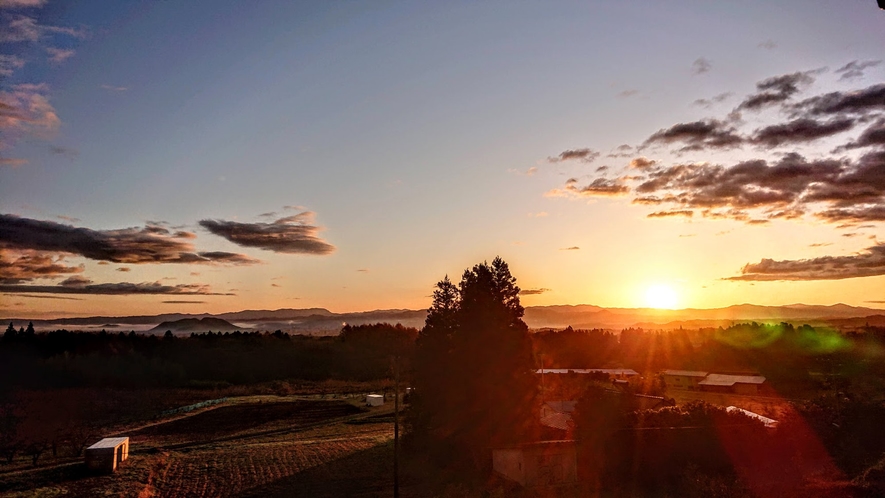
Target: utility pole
(396, 427)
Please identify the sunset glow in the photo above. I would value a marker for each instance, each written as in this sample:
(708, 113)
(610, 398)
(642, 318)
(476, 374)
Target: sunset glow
(340, 157)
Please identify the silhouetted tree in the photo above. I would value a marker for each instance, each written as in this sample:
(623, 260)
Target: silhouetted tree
(474, 369)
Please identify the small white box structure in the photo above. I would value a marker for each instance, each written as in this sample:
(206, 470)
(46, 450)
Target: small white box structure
(107, 454)
(374, 400)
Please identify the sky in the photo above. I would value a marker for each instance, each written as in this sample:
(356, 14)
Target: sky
(216, 156)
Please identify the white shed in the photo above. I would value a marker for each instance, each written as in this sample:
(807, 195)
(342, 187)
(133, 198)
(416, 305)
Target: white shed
(374, 400)
(107, 454)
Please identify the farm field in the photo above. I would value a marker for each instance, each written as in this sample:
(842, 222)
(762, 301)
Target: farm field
(221, 451)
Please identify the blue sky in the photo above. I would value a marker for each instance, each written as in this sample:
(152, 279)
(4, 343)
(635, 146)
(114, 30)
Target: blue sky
(409, 130)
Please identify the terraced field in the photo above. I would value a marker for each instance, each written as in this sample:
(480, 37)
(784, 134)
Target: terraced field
(224, 451)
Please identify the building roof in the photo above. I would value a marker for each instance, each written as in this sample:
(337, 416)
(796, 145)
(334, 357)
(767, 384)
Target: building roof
(685, 373)
(109, 442)
(562, 406)
(730, 380)
(769, 422)
(558, 420)
(609, 371)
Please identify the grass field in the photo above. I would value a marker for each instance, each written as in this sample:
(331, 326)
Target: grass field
(221, 451)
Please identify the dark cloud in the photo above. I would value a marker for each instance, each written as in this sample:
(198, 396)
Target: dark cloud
(124, 268)
(855, 69)
(800, 130)
(121, 288)
(293, 234)
(24, 266)
(701, 66)
(768, 45)
(628, 93)
(572, 248)
(699, 135)
(150, 244)
(669, 214)
(834, 190)
(777, 90)
(860, 102)
(37, 296)
(600, 187)
(183, 302)
(867, 263)
(584, 155)
(533, 292)
(873, 136)
(622, 150)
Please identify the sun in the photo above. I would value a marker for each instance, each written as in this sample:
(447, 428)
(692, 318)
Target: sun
(660, 296)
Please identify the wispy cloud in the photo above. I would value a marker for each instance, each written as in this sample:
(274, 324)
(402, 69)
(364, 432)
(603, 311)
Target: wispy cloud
(533, 292)
(768, 45)
(856, 69)
(572, 248)
(120, 288)
(293, 234)
(59, 55)
(114, 88)
(584, 155)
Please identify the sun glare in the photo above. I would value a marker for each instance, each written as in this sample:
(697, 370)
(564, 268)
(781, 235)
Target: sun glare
(660, 296)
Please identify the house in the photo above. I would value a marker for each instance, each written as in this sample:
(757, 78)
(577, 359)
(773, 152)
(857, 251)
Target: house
(558, 415)
(374, 400)
(683, 379)
(538, 465)
(107, 454)
(736, 384)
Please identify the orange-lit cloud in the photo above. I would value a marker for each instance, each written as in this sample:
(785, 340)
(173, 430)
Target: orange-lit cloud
(293, 234)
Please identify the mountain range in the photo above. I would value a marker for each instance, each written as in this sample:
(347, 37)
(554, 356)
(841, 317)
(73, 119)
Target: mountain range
(320, 321)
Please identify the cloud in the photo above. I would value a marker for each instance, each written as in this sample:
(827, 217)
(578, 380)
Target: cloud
(293, 234)
(855, 69)
(59, 55)
(9, 64)
(869, 262)
(698, 135)
(874, 136)
(778, 89)
(363, 270)
(625, 94)
(37, 296)
(150, 244)
(24, 266)
(183, 302)
(622, 150)
(800, 130)
(600, 187)
(701, 66)
(860, 102)
(585, 155)
(768, 45)
(64, 151)
(124, 269)
(114, 88)
(25, 111)
(533, 292)
(19, 4)
(572, 248)
(120, 289)
(707, 103)
(20, 29)
(669, 214)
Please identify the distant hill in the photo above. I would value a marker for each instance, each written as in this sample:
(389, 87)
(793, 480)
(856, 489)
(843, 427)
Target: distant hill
(188, 325)
(320, 321)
